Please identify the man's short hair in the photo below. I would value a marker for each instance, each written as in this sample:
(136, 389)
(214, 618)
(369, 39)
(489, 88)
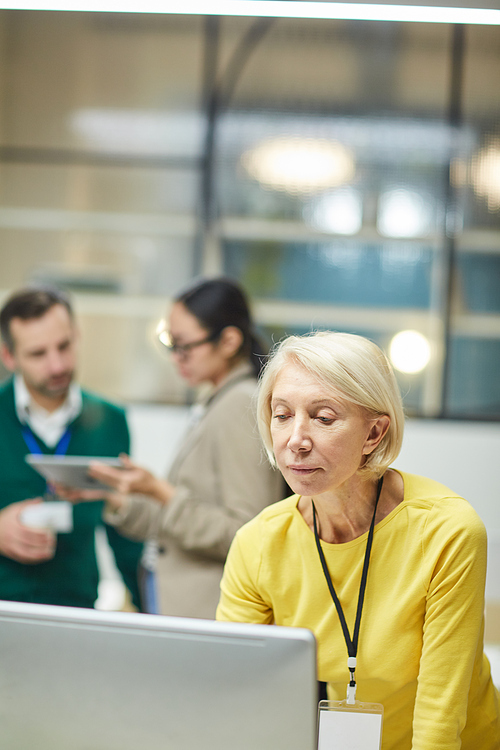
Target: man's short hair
(30, 303)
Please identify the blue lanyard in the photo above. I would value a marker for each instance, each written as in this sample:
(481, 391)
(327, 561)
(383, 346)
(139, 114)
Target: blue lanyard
(34, 447)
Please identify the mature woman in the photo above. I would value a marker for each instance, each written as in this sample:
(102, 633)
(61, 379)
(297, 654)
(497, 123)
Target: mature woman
(220, 479)
(330, 414)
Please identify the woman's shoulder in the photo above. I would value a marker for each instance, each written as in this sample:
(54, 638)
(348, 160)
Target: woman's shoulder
(240, 383)
(269, 537)
(439, 503)
(234, 401)
(273, 519)
(243, 389)
(425, 489)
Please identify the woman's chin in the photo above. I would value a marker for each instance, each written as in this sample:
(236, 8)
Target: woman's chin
(303, 485)
(189, 378)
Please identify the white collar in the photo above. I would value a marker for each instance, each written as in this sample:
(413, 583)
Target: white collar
(49, 426)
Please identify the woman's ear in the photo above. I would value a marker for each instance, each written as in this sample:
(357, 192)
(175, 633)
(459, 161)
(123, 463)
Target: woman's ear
(378, 428)
(230, 341)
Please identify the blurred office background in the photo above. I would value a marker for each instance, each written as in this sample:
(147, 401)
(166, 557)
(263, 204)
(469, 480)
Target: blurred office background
(347, 173)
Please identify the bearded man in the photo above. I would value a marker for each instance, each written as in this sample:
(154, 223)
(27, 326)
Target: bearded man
(43, 410)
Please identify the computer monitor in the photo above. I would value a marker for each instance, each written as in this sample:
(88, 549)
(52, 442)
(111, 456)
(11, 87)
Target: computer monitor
(76, 679)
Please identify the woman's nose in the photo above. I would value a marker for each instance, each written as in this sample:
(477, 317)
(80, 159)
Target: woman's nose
(300, 439)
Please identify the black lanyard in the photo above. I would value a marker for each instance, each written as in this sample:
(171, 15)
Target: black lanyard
(352, 644)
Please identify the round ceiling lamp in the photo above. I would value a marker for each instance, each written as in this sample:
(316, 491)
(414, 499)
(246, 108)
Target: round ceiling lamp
(409, 351)
(299, 165)
(403, 213)
(340, 212)
(485, 174)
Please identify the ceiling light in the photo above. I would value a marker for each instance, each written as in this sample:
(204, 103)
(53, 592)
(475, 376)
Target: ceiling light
(339, 213)
(485, 174)
(150, 131)
(409, 351)
(403, 213)
(274, 9)
(299, 165)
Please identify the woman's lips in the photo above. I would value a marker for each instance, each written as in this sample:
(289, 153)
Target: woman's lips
(302, 470)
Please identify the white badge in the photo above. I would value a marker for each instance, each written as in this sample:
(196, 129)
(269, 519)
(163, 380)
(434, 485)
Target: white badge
(356, 726)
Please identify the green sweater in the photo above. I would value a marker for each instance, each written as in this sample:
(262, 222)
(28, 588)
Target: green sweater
(70, 578)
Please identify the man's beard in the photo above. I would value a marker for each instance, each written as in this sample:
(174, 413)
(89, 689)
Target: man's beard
(55, 387)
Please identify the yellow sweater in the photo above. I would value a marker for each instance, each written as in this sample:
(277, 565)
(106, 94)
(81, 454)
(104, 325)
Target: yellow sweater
(420, 648)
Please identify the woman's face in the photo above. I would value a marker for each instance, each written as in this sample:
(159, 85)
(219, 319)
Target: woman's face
(319, 439)
(206, 362)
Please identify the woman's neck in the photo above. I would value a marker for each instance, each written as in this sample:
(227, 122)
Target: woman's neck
(227, 372)
(347, 514)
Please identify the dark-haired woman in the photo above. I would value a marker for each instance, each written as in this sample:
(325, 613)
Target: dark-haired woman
(219, 479)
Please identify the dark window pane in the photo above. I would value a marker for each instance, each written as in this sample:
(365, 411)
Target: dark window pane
(474, 382)
(480, 282)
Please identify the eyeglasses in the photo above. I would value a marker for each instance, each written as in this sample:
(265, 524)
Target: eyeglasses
(183, 349)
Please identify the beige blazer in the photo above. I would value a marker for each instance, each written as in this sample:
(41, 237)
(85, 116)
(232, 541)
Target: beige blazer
(222, 479)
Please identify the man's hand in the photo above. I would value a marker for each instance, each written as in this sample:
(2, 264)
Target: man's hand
(20, 542)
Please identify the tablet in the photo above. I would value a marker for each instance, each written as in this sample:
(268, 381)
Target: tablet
(71, 470)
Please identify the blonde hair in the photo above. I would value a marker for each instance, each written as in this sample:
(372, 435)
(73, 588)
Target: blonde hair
(352, 365)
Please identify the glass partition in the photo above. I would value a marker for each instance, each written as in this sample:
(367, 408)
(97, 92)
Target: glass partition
(346, 172)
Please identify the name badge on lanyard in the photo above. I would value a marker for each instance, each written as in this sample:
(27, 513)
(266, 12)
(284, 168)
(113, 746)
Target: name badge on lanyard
(342, 726)
(350, 724)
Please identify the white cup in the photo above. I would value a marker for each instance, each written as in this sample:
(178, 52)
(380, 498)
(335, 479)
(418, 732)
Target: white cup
(54, 516)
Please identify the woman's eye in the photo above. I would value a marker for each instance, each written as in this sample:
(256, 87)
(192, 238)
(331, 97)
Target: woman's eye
(280, 417)
(325, 420)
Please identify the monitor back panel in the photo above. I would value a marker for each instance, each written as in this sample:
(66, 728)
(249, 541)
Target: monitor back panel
(74, 679)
